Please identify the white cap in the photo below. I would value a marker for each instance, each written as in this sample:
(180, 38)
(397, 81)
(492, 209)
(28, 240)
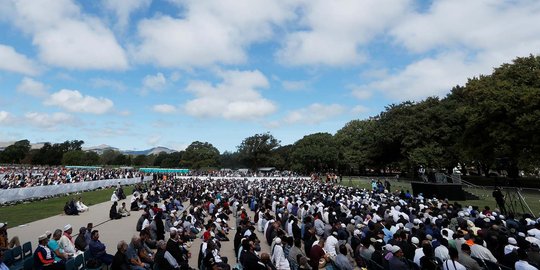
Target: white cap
(415, 240)
(173, 229)
(42, 237)
(2, 225)
(278, 240)
(395, 249)
(67, 227)
(512, 241)
(356, 232)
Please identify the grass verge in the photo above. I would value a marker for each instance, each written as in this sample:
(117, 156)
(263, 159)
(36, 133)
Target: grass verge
(31, 211)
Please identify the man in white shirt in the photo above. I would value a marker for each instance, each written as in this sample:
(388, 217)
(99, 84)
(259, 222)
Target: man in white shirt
(512, 245)
(331, 244)
(479, 251)
(535, 231)
(522, 264)
(452, 263)
(442, 251)
(66, 241)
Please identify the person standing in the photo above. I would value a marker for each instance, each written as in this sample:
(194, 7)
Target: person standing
(278, 257)
(499, 198)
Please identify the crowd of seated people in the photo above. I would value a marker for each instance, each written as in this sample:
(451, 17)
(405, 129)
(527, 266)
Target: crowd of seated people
(310, 224)
(19, 176)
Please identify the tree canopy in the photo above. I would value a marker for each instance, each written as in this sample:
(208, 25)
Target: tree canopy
(490, 123)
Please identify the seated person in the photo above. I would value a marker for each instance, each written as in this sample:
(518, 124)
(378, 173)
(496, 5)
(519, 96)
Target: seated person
(59, 254)
(120, 260)
(98, 249)
(81, 207)
(5, 242)
(113, 213)
(123, 210)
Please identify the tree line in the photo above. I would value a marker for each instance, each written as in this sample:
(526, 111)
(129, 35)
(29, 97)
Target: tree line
(490, 123)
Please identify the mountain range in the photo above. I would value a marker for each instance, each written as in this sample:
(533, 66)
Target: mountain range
(103, 147)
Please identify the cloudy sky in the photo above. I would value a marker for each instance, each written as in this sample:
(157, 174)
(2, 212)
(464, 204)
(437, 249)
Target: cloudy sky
(141, 73)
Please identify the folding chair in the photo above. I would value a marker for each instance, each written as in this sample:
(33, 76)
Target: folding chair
(27, 249)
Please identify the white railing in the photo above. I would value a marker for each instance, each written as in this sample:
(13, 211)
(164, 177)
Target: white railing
(21, 194)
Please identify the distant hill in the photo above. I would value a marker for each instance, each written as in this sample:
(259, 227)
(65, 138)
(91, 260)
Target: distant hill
(151, 151)
(102, 148)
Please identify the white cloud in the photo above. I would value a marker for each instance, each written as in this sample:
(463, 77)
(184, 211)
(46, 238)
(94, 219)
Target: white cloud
(475, 25)
(431, 76)
(49, 121)
(361, 92)
(236, 97)
(109, 84)
(210, 32)
(15, 62)
(123, 9)
(458, 39)
(154, 82)
(374, 73)
(74, 101)
(359, 109)
(164, 108)
(5, 118)
(313, 114)
(124, 113)
(66, 37)
(294, 85)
(175, 76)
(334, 32)
(32, 87)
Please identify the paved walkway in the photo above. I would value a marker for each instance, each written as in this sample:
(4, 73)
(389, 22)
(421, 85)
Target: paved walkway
(113, 231)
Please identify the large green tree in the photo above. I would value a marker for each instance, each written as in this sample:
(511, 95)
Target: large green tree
(257, 150)
(315, 152)
(502, 116)
(15, 152)
(356, 145)
(200, 155)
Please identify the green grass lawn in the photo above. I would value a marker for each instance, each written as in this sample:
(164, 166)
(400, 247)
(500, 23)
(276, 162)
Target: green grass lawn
(31, 211)
(532, 197)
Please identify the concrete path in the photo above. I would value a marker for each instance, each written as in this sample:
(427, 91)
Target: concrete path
(113, 231)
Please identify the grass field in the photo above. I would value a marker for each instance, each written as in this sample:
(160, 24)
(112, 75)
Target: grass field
(532, 197)
(27, 212)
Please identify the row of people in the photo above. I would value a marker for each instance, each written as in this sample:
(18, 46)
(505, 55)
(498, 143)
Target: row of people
(19, 176)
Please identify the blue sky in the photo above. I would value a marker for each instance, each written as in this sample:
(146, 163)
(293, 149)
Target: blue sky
(141, 73)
